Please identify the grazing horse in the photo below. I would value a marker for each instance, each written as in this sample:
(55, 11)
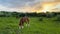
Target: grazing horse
(22, 21)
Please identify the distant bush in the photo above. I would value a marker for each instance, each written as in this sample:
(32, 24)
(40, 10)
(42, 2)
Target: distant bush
(41, 19)
(57, 18)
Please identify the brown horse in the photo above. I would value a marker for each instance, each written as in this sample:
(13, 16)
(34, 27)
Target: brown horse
(22, 21)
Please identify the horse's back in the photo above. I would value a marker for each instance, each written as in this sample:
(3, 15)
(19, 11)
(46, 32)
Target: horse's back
(24, 19)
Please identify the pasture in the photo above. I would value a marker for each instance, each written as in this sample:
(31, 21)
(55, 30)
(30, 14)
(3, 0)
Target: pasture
(9, 25)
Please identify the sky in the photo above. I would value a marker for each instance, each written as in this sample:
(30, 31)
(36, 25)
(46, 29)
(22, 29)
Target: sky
(29, 5)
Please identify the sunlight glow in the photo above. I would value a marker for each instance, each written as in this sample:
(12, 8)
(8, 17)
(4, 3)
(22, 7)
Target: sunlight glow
(47, 7)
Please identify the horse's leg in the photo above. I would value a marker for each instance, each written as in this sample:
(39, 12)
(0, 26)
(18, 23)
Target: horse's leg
(27, 24)
(21, 25)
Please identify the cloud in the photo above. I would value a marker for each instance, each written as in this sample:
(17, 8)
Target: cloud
(24, 4)
(17, 3)
(2, 8)
(21, 3)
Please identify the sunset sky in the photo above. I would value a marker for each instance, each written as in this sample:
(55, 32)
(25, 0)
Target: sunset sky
(30, 5)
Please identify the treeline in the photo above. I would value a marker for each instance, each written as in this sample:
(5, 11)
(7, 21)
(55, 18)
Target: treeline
(17, 14)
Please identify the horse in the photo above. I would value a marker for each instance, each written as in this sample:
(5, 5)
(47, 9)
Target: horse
(22, 21)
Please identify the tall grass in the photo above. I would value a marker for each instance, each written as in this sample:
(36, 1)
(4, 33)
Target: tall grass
(9, 25)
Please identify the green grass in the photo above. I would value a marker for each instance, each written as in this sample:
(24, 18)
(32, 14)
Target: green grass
(9, 25)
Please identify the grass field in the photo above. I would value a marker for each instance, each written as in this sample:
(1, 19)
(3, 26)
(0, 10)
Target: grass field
(9, 25)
